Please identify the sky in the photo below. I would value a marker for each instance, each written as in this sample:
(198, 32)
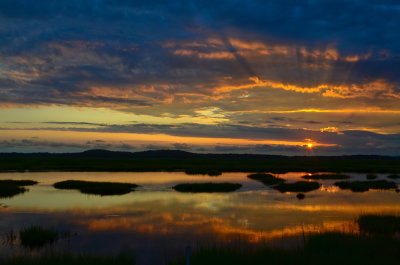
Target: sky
(265, 77)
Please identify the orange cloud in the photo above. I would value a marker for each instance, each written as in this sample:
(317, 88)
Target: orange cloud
(375, 89)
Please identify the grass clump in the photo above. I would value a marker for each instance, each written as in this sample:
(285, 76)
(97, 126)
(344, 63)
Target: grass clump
(300, 196)
(326, 176)
(10, 188)
(371, 176)
(379, 224)
(69, 259)
(266, 179)
(299, 186)
(207, 187)
(361, 186)
(35, 237)
(96, 188)
(393, 176)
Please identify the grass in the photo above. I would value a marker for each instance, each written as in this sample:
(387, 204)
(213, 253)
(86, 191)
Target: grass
(207, 187)
(379, 224)
(371, 176)
(299, 186)
(361, 186)
(35, 237)
(69, 259)
(266, 179)
(96, 188)
(327, 249)
(394, 176)
(326, 176)
(300, 196)
(10, 188)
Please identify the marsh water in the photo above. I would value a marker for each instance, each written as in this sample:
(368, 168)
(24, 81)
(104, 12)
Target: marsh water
(156, 223)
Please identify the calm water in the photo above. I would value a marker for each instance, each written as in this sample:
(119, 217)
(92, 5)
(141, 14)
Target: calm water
(156, 223)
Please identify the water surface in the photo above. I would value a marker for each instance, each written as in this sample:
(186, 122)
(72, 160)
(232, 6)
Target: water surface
(156, 223)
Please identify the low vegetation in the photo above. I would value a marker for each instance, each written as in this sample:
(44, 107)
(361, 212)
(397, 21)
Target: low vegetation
(326, 176)
(300, 196)
(327, 248)
(69, 259)
(207, 187)
(10, 188)
(266, 179)
(35, 237)
(361, 186)
(299, 186)
(371, 176)
(96, 188)
(379, 224)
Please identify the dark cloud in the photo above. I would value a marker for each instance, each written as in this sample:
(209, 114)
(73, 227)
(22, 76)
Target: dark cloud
(352, 141)
(39, 145)
(55, 52)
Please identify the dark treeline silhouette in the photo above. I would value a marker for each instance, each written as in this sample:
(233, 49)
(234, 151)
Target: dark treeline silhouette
(178, 154)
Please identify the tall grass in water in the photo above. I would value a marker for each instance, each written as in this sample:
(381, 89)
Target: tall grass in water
(35, 237)
(10, 188)
(327, 248)
(69, 259)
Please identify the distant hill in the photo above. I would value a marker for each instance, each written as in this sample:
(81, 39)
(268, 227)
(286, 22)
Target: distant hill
(178, 154)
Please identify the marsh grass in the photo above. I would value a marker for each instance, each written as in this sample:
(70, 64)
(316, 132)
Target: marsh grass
(69, 259)
(35, 237)
(371, 176)
(96, 188)
(327, 248)
(207, 187)
(361, 186)
(299, 186)
(266, 179)
(300, 196)
(326, 176)
(379, 224)
(10, 188)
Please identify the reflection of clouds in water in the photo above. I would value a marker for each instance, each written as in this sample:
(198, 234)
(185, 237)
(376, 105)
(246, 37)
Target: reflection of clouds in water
(166, 221)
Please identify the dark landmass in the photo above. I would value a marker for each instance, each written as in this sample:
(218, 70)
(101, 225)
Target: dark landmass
(393, 176)
(361, 186)
(212, 164)
(96, 188)
(207, 187)
(266, 179)
(326, 176)
(9, 188)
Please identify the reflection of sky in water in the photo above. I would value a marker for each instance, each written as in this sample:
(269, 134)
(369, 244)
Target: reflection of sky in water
(156, 218)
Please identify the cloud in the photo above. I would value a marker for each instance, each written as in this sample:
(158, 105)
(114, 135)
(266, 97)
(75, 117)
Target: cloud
(99, 53)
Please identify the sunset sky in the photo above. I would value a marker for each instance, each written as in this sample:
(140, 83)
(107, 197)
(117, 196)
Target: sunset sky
(268, 77)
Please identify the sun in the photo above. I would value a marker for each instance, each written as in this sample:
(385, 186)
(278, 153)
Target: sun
(310, 145)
